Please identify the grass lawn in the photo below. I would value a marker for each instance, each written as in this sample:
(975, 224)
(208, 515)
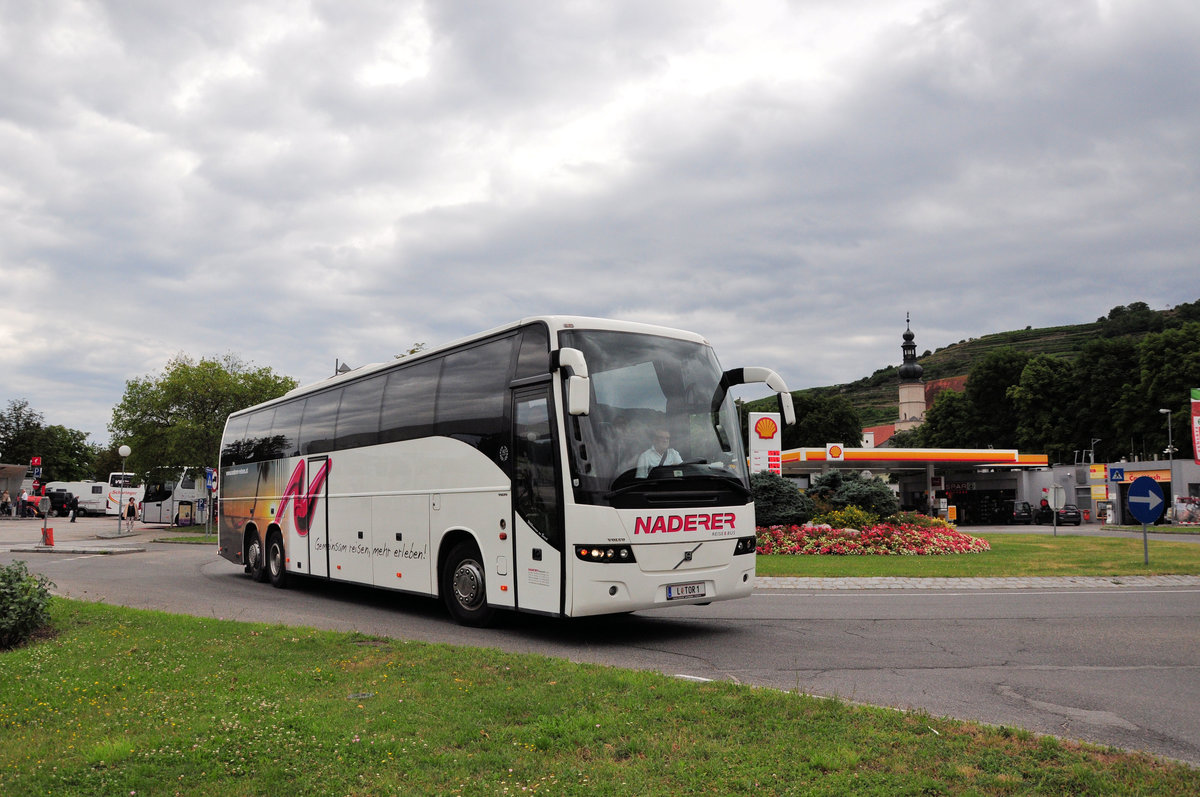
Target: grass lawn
(1011, 555)
(128, 702)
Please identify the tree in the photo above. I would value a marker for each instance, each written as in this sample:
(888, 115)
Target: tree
(1043, 400)
(948, 423)
(20, 432)
(66, 454)
(178, 417)
(907, 438)
(819, 420)
(1168, 365)
(1105, 370)
(1125, 320)
(993, 412)
(777, 502)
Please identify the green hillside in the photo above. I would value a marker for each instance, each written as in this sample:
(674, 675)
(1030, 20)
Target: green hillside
(875, 397)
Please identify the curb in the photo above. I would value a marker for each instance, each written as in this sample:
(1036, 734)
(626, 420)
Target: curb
(76, 549)
(1032, 582)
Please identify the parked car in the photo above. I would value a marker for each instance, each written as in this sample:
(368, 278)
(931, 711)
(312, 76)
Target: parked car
(60, 503)
(1070, 514)
(1018, 512)
(1043, 514)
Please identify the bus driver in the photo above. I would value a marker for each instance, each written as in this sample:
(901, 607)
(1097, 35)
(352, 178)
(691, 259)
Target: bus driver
(658, 454)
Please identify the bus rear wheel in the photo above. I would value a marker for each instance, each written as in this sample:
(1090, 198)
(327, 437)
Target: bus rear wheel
(276, 561)
(463, 586)
(255, 561)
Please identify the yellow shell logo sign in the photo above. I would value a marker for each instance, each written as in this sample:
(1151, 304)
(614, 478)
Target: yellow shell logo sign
(766, 428)
(835, 452)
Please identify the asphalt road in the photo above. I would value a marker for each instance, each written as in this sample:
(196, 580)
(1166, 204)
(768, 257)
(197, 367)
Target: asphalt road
(1118, 666)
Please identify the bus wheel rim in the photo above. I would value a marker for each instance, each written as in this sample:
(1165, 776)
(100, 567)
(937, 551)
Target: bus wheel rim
(468, 584)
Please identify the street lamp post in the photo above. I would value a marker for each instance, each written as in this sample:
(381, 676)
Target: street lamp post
(1170, 456)
(124, 451)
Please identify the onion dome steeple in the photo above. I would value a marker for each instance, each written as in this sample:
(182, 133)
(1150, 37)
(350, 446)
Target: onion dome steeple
(910, 371)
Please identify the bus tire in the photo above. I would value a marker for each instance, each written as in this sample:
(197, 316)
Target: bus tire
(464, 589)
(276, 560)
(256, 562)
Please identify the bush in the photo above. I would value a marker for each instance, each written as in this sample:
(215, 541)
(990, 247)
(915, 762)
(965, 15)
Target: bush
(24, 604)
(852, 517)
(838, 489)
(777, 502)
(919, 520)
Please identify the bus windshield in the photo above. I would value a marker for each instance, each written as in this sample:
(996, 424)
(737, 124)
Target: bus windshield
(120, 480)
(662, 431)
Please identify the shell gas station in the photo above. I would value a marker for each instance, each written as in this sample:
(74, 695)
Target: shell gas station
(976, 486)
(963, 485)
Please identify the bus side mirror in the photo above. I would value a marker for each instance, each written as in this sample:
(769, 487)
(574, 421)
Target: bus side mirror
(787, 408)
(578, 385)
(579, 397)
(746, 376)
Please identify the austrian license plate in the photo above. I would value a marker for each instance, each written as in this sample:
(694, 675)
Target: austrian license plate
(677, 591)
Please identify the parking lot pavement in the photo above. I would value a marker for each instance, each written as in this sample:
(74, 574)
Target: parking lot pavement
(85, 535)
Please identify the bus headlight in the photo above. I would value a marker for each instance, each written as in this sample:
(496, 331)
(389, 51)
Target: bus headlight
(605, 554)
(745, 545)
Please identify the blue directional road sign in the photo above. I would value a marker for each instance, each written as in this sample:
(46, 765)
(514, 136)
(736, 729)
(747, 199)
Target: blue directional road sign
(1145, 499)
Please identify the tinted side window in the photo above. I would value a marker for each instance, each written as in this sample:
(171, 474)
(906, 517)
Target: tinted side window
(408, 402)
(358, 417)
(286, 428)
(473, 395)
(258, 436)
(534, 356)
(231, 441)
(320, 418)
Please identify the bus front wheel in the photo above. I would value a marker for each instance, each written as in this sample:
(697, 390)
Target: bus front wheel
(463, 586)
(276, 561)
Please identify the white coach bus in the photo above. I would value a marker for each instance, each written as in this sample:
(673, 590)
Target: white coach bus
(502, 472)
(122, 487)
(175, 496)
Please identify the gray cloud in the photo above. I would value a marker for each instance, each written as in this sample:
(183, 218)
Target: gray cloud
(302, 181)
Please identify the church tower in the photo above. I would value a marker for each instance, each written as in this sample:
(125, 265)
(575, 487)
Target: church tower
(912, 388)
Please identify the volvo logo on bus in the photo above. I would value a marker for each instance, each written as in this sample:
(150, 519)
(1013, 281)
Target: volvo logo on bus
(654, 524)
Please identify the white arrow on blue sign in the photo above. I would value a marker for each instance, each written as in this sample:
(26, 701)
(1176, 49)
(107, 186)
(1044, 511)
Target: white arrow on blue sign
(1145, 499)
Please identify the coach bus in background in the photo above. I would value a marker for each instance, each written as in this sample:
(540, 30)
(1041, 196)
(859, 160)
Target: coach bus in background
(175, 496)
(122, 487)
(501, 471)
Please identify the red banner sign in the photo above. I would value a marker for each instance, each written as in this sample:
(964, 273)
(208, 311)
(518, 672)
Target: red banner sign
(1196, 424)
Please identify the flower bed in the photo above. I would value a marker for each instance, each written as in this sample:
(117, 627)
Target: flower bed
(884, 539)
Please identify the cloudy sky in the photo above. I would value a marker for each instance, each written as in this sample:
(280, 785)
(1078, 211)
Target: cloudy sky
(298, 182)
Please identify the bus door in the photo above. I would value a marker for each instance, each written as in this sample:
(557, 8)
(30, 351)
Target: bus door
(308, 542)
(537, 503)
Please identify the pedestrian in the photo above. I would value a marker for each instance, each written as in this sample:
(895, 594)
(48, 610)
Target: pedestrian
(5, 503)
(131, 513)
(24, 500)
(74, 505)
